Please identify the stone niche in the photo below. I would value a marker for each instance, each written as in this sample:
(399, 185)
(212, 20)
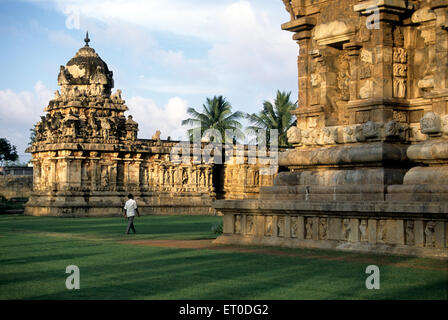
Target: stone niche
(369, 168)
(87, 157)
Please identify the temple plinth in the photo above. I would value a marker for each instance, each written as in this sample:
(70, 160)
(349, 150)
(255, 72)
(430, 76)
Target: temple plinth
(369, 165)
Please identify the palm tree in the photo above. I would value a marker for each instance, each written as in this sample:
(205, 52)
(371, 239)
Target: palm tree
(277, 116)
(216, 114)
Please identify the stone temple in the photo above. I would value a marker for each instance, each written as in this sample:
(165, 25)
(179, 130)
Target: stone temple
(369, 168)
(87, 157)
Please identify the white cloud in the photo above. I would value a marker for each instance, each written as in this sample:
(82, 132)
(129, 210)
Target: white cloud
(167, 119)
(20, 111)
(245, 43)
(23, 107)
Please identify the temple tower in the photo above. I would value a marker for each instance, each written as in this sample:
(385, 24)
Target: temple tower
(87, 156)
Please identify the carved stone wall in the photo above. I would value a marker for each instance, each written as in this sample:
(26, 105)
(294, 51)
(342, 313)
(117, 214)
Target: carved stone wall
(370, 146)
(87, 157)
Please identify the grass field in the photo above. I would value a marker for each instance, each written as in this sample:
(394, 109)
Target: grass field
(35, 251)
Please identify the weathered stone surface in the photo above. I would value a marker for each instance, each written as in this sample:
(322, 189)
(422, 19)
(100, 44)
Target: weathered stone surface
(371, 158)
(87, 156)
(15, 186)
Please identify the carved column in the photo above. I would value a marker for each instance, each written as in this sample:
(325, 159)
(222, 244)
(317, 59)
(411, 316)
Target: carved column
(94, 170)
(440, 7)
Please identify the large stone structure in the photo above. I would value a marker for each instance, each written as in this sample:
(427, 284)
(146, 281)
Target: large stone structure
(370, 165)
(87, 157)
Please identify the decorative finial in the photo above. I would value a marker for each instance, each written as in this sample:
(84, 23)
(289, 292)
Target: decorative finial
(87, 40)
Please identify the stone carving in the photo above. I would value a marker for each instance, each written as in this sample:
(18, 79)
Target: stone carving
(444, 120)
(131, 129)
(429, 234)
(410, 237)
(294, 227)
(363, 230)
(360, 88)
(366, 56)
(156, 136)
(323, 226)
(315, 79)
(348, 134)
(393, 129)
(268, 226)
(399, 116)
(288, 8)
(381, 236)
(281, 226)
(343, 76)
(366, 89)
(399, 70)
(430, 123)
(308, 228)
(364, 73)
(368, 130)
(250, 224)
(399, 88)
(237, 223)
(294, 135)
(400, 55)
(346, 229)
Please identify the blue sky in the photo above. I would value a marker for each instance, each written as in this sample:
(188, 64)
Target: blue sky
(166, 56)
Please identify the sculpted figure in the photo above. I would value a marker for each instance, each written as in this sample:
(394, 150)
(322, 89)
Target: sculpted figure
(105, 128)
(237, 223)
(156, 136)
(323, 228)
(288, 8)
(116, 95)
(346, 228)
(382, 231)
(268, 225)
(294, 135)
(294, 227)
(309, 228)
(430, 123)
(184, 176)
(250, 224)
(363, 230)
(400, 88)
(410, 232)
(429, 234)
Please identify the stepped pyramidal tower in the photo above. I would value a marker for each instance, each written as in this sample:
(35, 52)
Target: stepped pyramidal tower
(369, 168)
(87, 157)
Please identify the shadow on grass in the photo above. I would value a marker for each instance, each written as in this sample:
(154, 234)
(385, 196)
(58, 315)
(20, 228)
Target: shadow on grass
(32, 266)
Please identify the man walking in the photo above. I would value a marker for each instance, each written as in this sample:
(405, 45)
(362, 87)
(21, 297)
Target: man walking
(130, 209)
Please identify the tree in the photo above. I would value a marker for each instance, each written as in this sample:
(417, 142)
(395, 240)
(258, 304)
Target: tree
(216, 114)
(8, 152)
(32, 136)
(277, 116)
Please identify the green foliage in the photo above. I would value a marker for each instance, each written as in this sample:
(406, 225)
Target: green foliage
(277, 116)
(217, 228)
(8, 152)
(7, 205)
(216, 114)
(16, 163)
(32, 136)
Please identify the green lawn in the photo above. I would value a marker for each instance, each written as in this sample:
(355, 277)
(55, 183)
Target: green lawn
(34, 252)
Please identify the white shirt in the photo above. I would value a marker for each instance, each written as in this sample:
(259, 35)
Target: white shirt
(130, 207)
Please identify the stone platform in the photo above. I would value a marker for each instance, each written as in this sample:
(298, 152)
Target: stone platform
(392, 227)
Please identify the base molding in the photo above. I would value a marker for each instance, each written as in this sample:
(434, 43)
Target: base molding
(402, 250)
(78, 204)
(383, 227)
